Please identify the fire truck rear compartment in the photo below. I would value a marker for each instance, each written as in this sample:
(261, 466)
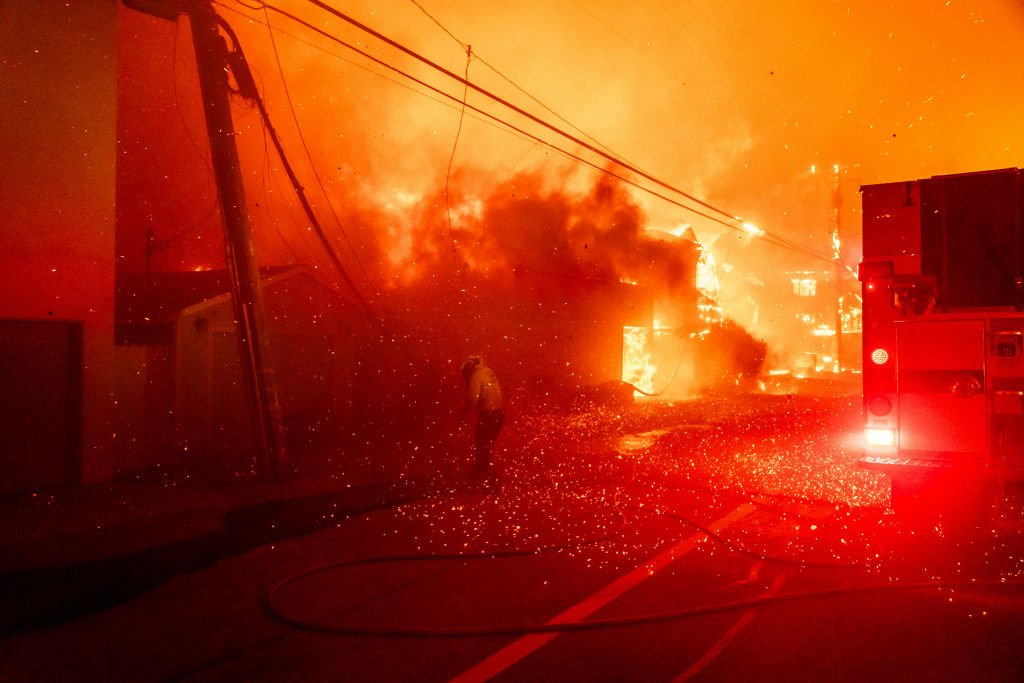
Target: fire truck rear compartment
(943, 276)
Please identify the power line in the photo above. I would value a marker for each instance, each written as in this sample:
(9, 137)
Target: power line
(733, 223)
(629, 167)
(457, 103)
(309, 156)
(775, 239)
(508, 125)
(248, 87)
(469, 55)
(515, 85)
(586, 145)
(326, 51)
(465, 46)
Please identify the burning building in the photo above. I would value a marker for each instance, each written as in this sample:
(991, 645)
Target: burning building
(547, 284)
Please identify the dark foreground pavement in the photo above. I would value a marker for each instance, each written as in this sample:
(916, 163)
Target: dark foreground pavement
(68, 553)
(358, 577)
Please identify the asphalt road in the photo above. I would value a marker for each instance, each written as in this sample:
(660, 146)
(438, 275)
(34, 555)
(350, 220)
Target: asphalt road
(734, 541)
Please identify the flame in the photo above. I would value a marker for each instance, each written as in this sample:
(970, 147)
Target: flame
(710, 312)
(637, 368)
(707, 276)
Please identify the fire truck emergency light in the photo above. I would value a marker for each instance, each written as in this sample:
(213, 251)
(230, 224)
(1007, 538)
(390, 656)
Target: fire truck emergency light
(880, 437)
(879, 356)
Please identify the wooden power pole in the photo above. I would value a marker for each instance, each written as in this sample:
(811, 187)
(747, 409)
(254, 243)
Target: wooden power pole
(212, 58)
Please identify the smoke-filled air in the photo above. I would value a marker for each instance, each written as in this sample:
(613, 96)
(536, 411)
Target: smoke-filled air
(708, 155)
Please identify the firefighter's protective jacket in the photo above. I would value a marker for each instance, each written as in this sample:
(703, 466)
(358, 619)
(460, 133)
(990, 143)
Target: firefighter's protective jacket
(483, 391)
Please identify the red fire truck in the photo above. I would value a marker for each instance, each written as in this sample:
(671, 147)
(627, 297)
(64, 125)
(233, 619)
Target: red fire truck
(943, 286)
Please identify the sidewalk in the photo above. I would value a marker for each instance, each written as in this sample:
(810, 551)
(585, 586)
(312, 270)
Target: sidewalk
(67, 553)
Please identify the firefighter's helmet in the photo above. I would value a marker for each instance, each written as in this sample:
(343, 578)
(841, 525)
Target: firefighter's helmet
(471, 363)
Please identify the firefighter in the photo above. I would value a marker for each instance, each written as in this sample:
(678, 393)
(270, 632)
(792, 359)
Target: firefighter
(484, 394)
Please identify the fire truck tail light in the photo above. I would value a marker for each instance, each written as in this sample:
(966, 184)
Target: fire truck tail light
(879, 356)
(880, 437)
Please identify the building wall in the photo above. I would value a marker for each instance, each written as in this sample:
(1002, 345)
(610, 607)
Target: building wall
(57, 161)
(211, 409)
(312, 355)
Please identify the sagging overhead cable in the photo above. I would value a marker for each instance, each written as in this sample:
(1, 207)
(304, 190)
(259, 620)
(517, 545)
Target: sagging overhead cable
(248, 90)
(732, 223)
(516, 85)
(734, 220)
(519, 110)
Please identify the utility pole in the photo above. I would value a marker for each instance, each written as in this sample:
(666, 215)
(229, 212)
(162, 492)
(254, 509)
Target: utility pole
(212, 59)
